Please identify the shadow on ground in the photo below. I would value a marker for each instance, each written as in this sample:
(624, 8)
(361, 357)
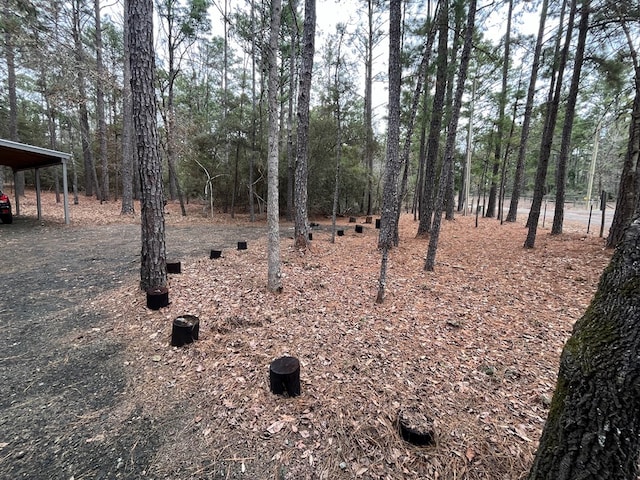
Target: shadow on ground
(63, 381)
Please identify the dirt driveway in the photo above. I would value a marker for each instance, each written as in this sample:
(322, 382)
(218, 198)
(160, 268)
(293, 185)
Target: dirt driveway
(61, 378)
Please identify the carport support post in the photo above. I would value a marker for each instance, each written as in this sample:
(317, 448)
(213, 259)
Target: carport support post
(38, 202)
(65, 189)
(15, 191)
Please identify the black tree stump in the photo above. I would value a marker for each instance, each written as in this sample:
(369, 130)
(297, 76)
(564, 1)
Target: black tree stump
(242, 245)
(157, 298)
(416, 427)
(310, 236)
(174, 267)
(377, 223)
(185, 330)
(340, 233)
(359, 229)
(215, 254)
(352, 219)
(284, 376)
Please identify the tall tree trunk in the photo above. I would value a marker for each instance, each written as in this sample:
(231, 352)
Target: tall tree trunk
(592, 430)
(9, 52)
(549, 128)
(90, 175)
(518, 180)
(153, 266)
(291, 158)
(338, 115)
(449, 152)
(368, 108)
(502, 103)
(569, 115)
(127, 133)
(100, 114)
(301, 233)
(422, 156)
(393, 165)
(433, 140)
(421, 73)
(274, 275)
(628, 192)
(254, 127)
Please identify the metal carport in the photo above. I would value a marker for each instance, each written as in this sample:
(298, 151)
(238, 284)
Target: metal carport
(20, 156)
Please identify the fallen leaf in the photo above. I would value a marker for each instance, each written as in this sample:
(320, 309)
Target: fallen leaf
(275, 427)
(470, 454)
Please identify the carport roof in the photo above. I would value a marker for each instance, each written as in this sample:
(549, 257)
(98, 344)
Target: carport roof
(20, 156)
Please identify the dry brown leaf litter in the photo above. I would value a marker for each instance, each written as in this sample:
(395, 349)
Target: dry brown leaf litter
(476, 344)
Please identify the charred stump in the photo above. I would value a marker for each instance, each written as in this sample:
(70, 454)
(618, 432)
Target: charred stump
(215, 254)
(174, 267)
(242, 245)
(185, 330)
(157, 298)
(416, 427)
(284, 376)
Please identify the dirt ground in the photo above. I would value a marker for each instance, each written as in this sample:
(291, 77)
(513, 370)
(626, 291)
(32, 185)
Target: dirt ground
(92, 389)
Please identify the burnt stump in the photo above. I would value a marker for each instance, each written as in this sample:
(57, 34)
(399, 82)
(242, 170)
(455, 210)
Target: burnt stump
(157, 298)
(284, 376)
(185, 330)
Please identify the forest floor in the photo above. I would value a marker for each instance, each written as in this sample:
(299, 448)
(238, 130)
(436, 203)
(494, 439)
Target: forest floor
(94, 390)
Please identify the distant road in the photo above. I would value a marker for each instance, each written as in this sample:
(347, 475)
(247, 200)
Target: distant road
(574, 213)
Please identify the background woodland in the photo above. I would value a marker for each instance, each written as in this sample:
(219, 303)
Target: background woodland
(67, 88)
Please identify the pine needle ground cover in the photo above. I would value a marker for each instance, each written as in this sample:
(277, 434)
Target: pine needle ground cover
(472, 348)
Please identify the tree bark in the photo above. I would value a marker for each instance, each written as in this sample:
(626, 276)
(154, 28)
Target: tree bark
(569, 115)
(549, 128)
(593, 428)
(368, 107)
(433, 140)
(301, 227)
(415, 103)
(518, 180)
(90, 175)
(628, 192)
(392, 169)
(100, 114)
(291, 158)
(9, 50)
(274, 275)
(502, 103)
(127, 121)
(449, 152)
(153, 268)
